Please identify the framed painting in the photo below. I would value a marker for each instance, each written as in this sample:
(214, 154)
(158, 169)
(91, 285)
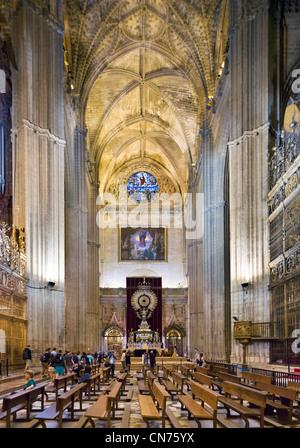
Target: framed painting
(146, 244)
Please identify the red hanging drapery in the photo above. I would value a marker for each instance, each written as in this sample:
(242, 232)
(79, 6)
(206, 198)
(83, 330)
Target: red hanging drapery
(155, 320)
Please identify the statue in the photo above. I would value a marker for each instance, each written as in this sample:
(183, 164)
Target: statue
(131, 336)
(156, 336)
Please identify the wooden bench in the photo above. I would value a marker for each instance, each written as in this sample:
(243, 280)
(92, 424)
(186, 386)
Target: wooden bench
(150, 411)
(104, 409)
(244, 394)
(106, 371)
(249, 378)
(196, 410)
(219, 380)
(204, 370)
(114, 393)
(186, 371)
(280, 399)
(65, 401)
(292, 385)
(60, 383)
(101, 410)
(141, 373)
(171, 388)
(91, 384)
(179, 381)
(21, 400)
(122, 377)
(143, 384)
(203, 379)
(168, 369)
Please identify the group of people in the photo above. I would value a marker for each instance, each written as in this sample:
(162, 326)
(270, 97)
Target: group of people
(55, 362)
(199, 358)
(149, 358)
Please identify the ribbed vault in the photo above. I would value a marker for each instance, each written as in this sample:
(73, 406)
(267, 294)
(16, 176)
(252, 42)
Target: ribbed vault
(144, 71)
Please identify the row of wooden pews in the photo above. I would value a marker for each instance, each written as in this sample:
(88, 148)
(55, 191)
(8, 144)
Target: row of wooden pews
(250, 396)
(68, 402)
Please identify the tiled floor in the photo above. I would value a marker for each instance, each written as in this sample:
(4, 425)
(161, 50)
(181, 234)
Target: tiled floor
(135, 420)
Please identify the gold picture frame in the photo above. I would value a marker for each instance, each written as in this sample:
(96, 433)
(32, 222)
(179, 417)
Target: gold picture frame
(143, 244)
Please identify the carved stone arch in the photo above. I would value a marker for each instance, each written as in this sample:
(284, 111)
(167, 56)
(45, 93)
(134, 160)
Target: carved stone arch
(177, 328)
(111, 328)
(174, 335)
(163, 177)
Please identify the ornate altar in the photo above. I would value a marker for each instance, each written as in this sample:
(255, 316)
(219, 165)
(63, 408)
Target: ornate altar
(144, 301)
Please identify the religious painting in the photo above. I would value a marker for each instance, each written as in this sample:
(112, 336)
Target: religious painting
(143, 244)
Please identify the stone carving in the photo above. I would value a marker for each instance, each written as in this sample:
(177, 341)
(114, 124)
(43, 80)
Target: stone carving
(13, 248)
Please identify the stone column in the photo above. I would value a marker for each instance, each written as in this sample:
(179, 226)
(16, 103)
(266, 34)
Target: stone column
(248, 159)
(76, 241)
(38, 163)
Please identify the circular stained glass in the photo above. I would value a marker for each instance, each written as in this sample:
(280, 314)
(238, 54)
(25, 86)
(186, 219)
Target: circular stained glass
(142, 186)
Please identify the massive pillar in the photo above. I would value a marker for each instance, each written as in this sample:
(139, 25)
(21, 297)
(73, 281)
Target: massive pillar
(248, 165)
(38, 163)
(82, 237)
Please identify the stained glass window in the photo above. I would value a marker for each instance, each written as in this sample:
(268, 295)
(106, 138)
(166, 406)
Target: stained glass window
(142, 186)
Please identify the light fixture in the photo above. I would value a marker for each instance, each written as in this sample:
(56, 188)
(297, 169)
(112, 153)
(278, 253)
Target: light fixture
(245, 287)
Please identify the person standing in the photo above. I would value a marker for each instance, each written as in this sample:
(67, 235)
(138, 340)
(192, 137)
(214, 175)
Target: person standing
(123, 360)
(68, 361)
(152, 360)
(127, 360)
(59, 364)
(27, 357)
(45, 359)
(112, 362)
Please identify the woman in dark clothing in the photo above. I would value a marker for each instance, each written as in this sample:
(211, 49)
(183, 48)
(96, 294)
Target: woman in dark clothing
(127, 361)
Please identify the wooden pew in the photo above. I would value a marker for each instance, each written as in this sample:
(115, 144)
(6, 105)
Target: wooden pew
(280, 399)
(91, 384)
(143, 384)
(196, 409)
(106, 371)
(244, 394)
(105, 407)
(101, 410)
(204, 370)
(185, 380)
(60, 383)
(64, 401)
(292, 385)
(249, 378)
(122, 377)
(171, 387)
(186, 371)
(147, 404)
(168, 369)
(203, 379)
(114, 394)
(21, 400)
(219, 380)
(179, 381)
(159, 373)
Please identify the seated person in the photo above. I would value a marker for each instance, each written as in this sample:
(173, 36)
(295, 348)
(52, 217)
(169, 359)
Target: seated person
(30, 381)
(85, 376)
(77, 368)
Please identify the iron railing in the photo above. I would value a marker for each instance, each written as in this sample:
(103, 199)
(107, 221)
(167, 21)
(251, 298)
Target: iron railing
(278, 378)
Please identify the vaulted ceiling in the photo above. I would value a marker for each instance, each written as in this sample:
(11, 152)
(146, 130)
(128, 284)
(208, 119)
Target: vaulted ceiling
(144, 71)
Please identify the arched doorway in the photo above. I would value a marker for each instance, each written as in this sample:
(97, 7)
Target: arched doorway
(113, 340)
(174, 337)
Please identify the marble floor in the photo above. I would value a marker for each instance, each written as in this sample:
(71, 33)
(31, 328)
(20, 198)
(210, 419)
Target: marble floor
(135, 419)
